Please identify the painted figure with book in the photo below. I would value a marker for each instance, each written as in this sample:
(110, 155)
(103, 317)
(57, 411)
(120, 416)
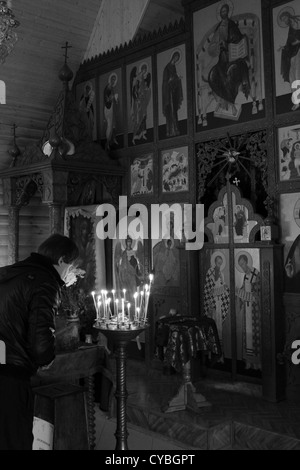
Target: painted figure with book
(290, 51)
(228, 62)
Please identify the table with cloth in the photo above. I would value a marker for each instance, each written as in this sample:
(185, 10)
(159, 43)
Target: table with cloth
(179, 339)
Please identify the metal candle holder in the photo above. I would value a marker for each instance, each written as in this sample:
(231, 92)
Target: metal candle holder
(121, 338)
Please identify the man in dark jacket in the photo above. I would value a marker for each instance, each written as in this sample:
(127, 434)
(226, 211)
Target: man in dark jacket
(29, 299)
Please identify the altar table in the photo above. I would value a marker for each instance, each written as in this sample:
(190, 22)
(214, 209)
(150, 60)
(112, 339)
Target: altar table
(178, 340)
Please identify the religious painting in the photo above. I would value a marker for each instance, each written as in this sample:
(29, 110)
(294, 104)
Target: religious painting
(80, 225)
(172, 99)
(141, 176)
(286, 36)
(229, 73)
(290, 238)
(140, 102)
(242, 223)
(165, 252)
(86, 102)
(129, 261)
(216, 295)
(174, 170)
(265, 233)
(248, 307)
(289, 153)
(111, 110)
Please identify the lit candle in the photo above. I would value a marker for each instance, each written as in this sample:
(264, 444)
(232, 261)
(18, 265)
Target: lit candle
(128, 307)
(142, 297)
(103, 301)
(123, 310)
(124, 292)
(113, 293)
(107, 309)
(93, 295)
(117, 308)
(98, 308)
(135, 303)
(151, 278)
(146, 306)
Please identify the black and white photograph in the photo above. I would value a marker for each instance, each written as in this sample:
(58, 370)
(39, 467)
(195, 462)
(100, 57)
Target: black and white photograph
(150, 228)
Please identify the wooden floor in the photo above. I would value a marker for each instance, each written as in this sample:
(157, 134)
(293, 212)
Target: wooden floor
(237, 418)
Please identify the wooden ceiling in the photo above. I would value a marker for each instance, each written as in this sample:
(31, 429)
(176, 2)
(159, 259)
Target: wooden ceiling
(30, 72)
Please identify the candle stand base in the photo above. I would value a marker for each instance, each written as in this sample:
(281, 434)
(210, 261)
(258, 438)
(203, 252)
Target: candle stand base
(121, 338)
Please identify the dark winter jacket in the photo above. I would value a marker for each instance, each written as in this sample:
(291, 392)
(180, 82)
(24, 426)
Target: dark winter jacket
(29, 299)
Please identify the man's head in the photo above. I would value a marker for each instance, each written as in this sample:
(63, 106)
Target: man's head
(175, 57)
(285, 17)
(128, 242)
(218, 261)
(61, 251)
(243, 262)
(224, 11)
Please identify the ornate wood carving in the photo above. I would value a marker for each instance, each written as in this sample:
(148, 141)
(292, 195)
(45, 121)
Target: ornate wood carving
(26, 187)
(55, 186)
(87, 189)
(237, 155)
(139, 42)
(9, 185)
(56, 218)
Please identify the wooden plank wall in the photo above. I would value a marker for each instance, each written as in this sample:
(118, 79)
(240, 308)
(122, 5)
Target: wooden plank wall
(34, 227)
(3, 229)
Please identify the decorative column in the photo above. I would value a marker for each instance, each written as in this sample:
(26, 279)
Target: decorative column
(56, 218)
(91, 412)
(13, 234)
(55, 195)
(9, 199)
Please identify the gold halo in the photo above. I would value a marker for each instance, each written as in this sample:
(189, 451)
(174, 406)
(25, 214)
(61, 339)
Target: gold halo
(249, 258)
(166, 242)
(123, 243)
(88, 83)
(214, 256)
(296, 209)
(142, 64)
(178, 51)
(289, 10)
(113, 74)
(230, 12)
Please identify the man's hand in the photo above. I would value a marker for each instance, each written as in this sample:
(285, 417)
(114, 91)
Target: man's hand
(47, 366)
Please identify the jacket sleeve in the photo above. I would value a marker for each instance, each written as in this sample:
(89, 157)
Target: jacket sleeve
(41, 332)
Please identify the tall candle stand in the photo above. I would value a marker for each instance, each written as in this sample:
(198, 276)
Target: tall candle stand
(121, 322)
(121, 338)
